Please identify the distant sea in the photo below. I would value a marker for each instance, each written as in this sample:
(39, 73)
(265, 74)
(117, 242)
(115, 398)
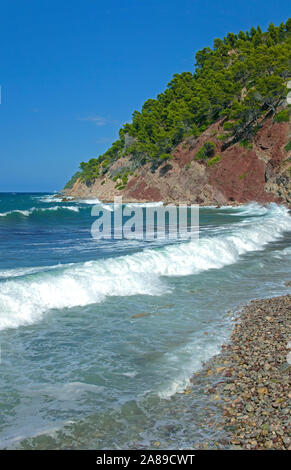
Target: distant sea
(99, 338)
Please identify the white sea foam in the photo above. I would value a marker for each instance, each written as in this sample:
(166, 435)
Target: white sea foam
(281, 254)
(89, 201)
(25, 300)
(252, 209)
(18, 272)
(110, 206)
(184, 363)
(34, 210)
(144, 204)
(50, 199)
(16, 211)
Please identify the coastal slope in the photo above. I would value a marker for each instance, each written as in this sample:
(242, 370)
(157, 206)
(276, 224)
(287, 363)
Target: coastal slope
(259, 173)
(218, 135)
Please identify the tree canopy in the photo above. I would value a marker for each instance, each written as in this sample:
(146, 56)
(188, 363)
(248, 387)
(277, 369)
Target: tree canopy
(243, 76)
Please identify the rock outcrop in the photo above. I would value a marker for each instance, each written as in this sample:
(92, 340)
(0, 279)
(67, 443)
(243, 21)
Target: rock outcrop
(259, 172)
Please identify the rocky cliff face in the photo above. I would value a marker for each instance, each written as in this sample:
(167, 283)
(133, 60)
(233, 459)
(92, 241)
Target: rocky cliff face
(261, 172)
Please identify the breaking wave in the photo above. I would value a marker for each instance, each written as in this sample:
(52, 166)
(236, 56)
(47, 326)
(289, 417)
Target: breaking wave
(24, 300)
(35, 210)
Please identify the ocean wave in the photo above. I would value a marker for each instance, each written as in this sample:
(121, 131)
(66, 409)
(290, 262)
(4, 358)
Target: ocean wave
(24, 300)
(89, 201)
(19, 272)
(110, 205)
(251, 209)
(205, 346)
(15, 211)
(34, 210)
(144, 204)
(282, 254)
(49, 198)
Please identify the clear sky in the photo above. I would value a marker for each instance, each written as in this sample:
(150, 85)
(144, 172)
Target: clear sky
(72, 72)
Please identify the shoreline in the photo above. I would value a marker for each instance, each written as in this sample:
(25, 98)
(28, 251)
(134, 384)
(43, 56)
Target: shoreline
(126, 200)
(244, 388)
(166, 202)
(250, 378)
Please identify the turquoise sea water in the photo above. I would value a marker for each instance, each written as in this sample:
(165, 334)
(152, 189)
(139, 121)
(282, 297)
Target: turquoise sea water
(98, 338)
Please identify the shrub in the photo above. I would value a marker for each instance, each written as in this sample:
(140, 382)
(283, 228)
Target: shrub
(228, 126)
(166, 156)
(205, 151)
(121, 177)
(105, 163)
(214, 160)
(222, 137)
(246, 144)
(124, 179)
(288, 146)
(282, 116)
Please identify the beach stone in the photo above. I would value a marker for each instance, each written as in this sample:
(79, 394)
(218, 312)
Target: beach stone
(257, 415)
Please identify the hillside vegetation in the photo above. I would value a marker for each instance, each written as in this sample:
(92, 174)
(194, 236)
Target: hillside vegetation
(242, 79)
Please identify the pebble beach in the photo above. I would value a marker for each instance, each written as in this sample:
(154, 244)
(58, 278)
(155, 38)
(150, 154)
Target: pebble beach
(250, 379)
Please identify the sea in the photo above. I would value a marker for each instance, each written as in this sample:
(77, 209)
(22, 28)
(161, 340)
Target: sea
(99, 338)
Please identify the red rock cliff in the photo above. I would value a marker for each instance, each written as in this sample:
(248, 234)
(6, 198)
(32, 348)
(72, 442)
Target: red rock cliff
(260, 173)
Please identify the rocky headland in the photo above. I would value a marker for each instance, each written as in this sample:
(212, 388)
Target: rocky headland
(259, 173)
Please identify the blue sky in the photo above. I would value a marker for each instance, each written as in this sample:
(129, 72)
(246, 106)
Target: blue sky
(72, 72)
